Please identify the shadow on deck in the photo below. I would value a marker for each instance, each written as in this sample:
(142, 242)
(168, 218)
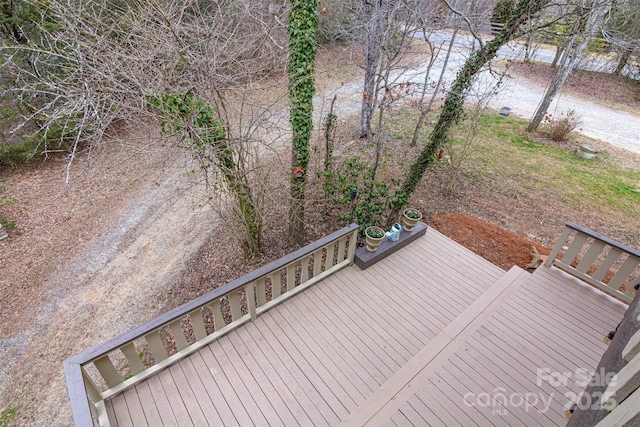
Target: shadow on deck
(431, 335)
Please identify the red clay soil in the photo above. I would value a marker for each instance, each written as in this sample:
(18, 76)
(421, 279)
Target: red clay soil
(502, 247)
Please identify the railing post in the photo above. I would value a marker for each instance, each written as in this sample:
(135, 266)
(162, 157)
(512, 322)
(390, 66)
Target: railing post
(558, 247)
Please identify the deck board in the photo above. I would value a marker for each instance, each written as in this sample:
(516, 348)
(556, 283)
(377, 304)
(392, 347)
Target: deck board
(311, 412)
(350, 366)
(175, 396)
(135, 407)
(347, 386)
(352, 349)
(161, 400)
(223, 414)
(213, 375)
(323, 354)
(201, 394)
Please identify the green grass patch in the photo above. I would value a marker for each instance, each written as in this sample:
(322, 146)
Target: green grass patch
(7, 416)
(598, 184)
(504, 150)
(7, 223)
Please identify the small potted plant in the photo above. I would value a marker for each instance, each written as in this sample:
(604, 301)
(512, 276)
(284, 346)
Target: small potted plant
(410, 218)
(373, 236)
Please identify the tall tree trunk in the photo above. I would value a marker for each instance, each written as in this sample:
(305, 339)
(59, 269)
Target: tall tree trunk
(624, 58)
(426, 110)
(569, 59)
(377, 10)
(303, 23)
(454, 102)
(530, 42)
(559, 50)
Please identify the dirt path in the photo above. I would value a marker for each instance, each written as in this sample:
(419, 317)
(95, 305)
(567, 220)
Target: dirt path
(110, 287)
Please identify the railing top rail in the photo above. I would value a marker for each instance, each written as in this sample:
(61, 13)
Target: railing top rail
(163, 319)
(603, 238)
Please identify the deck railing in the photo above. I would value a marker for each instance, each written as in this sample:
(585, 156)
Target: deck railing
(612, 398)
(123, 361)
(598, 260)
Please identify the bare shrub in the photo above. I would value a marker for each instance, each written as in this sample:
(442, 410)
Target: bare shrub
(560, 127)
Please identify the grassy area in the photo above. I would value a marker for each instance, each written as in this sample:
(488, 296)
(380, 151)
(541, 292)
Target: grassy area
(601, 184)
(506, 159)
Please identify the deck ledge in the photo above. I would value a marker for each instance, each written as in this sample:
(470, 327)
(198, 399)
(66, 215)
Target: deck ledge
(365, 259)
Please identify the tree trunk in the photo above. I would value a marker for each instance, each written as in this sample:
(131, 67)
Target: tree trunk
(375, 29)
(624, 58)
(558, 55)
(569, 60)
(567, 63)
(426, 110)
(303, 22)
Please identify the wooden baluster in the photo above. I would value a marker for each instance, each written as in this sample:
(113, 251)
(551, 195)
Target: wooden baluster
(197, 323)
(92, 390)
(133, 358)
(291, 276)
(304, 275)
(218, 318)
(353, 239)
(261, 291)
(317, 262)
(558, 246)
(107, 371)
(590, 256)
(342, 243)
(234, 304)
(609, 260)
(574, 248)
(276, 286)
(178, 334)
(624, 272)
(156, 346)
(251, 300)
(330, 252)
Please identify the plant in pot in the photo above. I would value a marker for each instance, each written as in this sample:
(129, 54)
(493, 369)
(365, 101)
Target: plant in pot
(373, 237)
(410, 218)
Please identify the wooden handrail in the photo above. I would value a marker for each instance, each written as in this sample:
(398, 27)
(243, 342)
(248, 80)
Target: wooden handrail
(591, 257)
(603, 238)
(298, 270)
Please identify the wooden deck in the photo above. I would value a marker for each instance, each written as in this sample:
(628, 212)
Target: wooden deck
(420, 338)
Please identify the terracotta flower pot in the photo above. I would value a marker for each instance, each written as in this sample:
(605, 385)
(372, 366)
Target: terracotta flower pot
(410, 218)
(373, 237)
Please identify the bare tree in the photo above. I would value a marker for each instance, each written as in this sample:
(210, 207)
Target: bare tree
(453, 106)
(98, 64)
(380, 52)
(592, 18)
(623, 32)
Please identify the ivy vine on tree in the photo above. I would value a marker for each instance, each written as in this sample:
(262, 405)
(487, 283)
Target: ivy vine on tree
(303, 23)
(453, 107)
(197, 121)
